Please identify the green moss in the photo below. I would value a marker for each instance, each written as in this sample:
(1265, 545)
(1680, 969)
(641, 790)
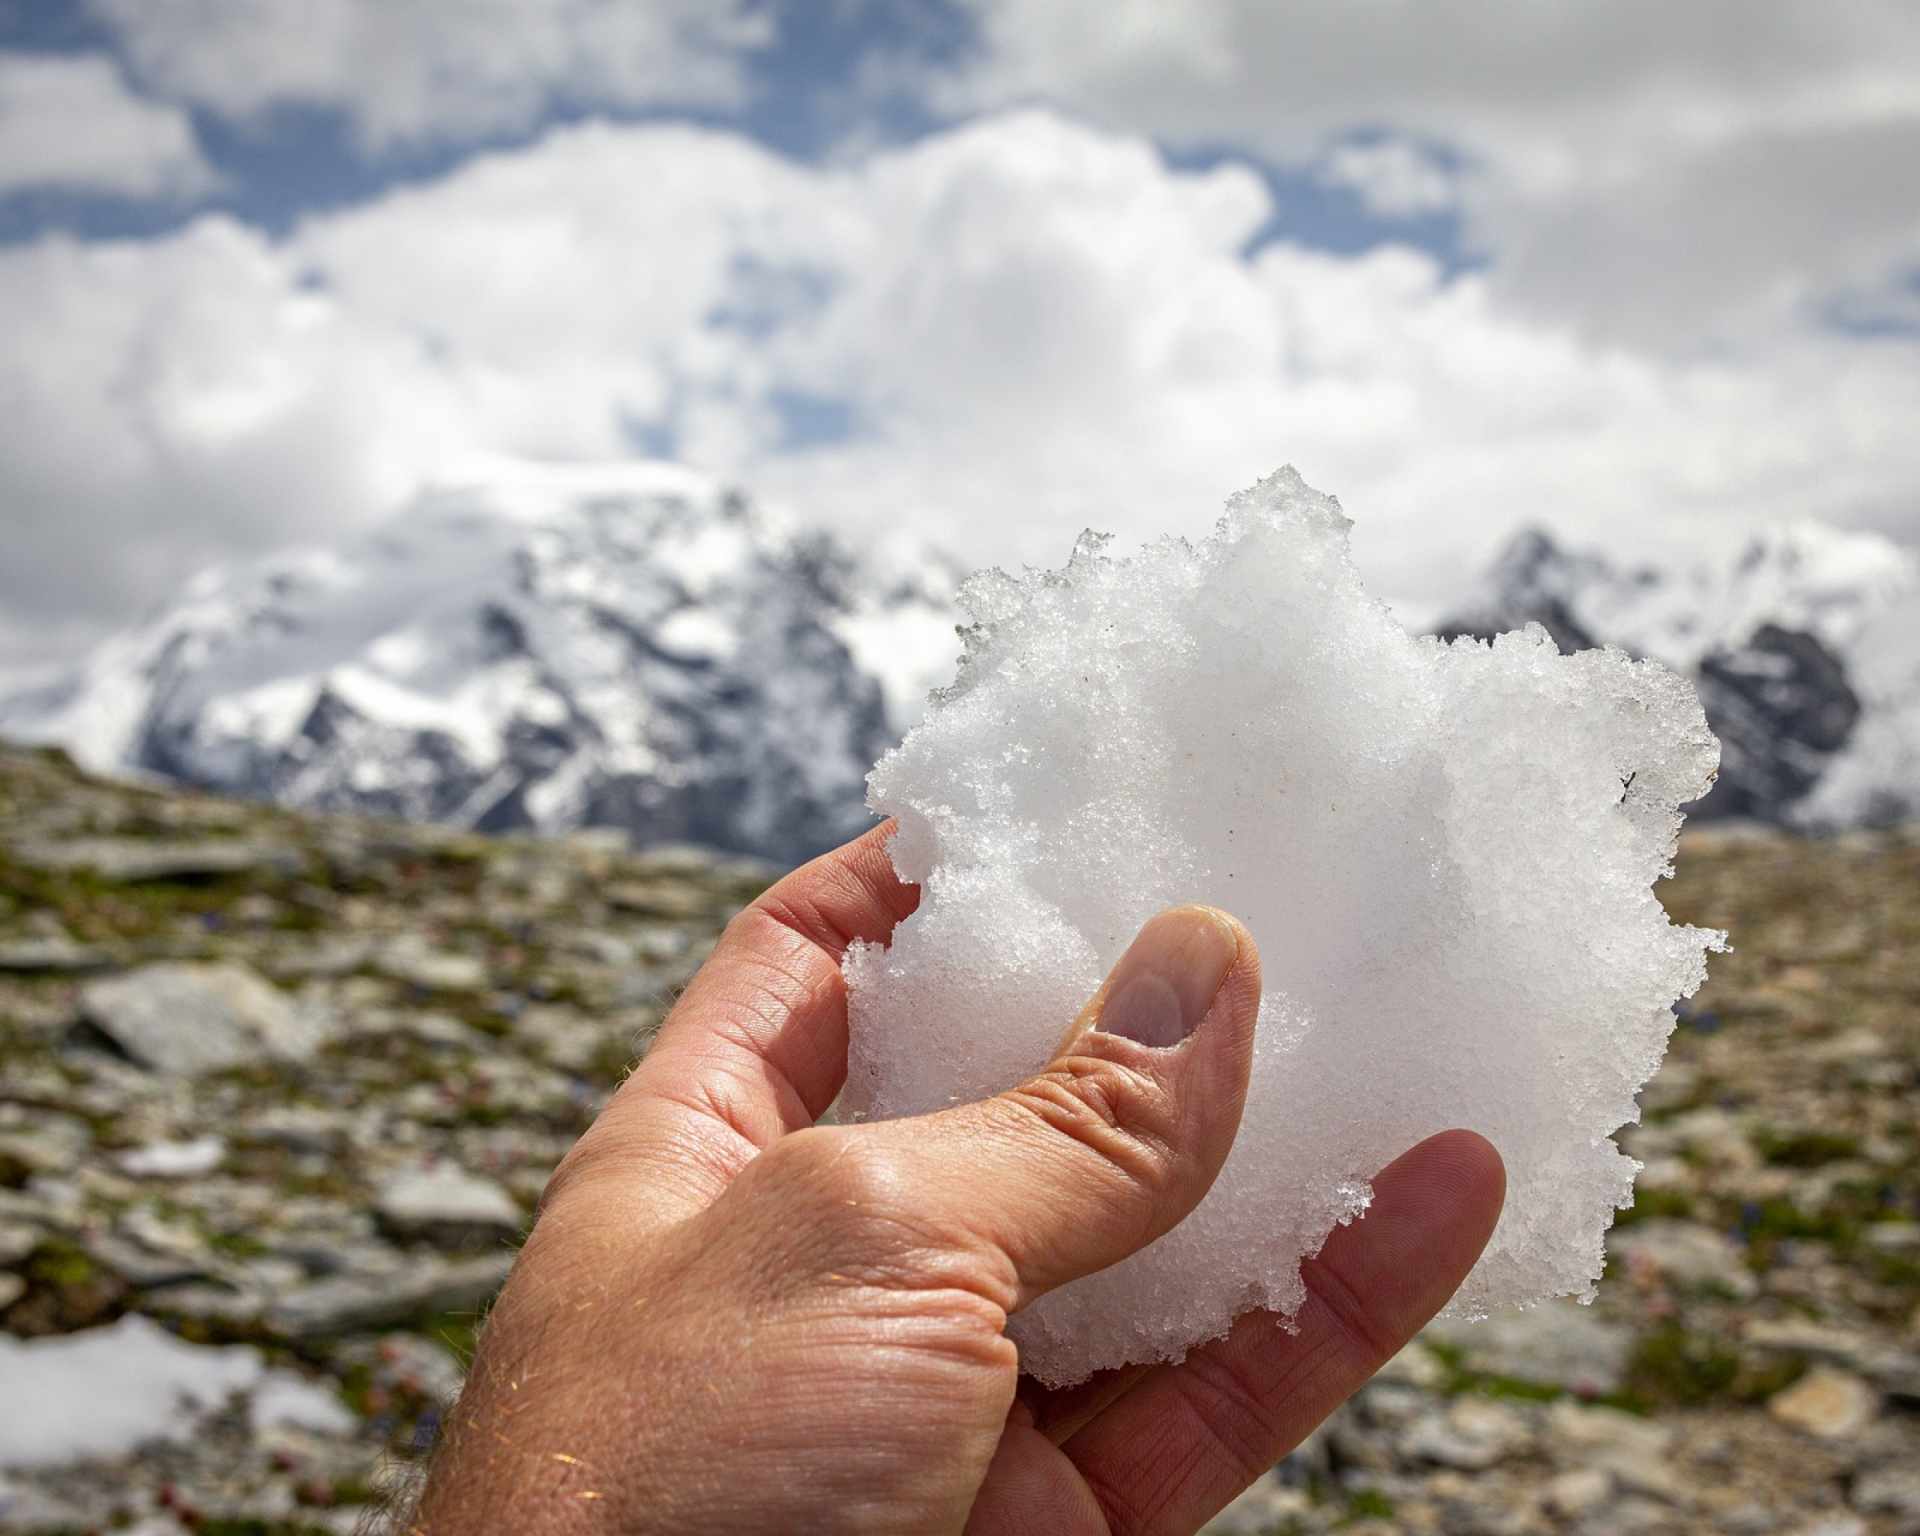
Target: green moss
(66, 1290)
(1805, 1148)
(59, 1264)
(236, 1245)
(1896, 1271)
(1368, 1504)
(1673, 1367)
(1657, 1204)
(456, 1332)
(1513, 1388)
(1773, 1221)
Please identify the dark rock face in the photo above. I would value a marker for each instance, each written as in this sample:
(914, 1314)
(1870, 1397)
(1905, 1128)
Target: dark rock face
(1782, 706)
(1780, 699)
(661, 657)
(1531, 583)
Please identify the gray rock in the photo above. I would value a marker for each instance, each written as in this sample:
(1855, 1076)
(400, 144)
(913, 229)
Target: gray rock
(130, 860)
(1266, 1506)
(1470, 1434)
(17, 1240)
(662, 897)
(50, 955)
(189, 1018)
(411, 959)
(314, 1131)
(24, 1507)
(1891, 1490)
(1579, 1432)
(1561, 1344)
(41, 1141)
(206, 1302)
(1579, 1492)
(142, 1267)
(563, 1037)
(447, 1206)
(324, 956)
(1631, 1450)
(174, 1159)
(1894, 1370)
(370, 1303)
(1687, 1254)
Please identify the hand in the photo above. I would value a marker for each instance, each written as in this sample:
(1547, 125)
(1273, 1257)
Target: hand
(730, 1319)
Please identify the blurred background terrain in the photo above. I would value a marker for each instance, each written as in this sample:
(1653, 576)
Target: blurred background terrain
(482, 480)
(286, 1087)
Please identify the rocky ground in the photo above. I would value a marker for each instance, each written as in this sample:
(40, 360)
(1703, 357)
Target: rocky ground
(277, 1094)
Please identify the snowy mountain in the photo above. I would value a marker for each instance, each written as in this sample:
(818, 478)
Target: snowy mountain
(636, 646)
(1805, 646)
(626, 645)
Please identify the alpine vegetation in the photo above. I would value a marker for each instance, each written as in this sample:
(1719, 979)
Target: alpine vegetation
(1446, 851)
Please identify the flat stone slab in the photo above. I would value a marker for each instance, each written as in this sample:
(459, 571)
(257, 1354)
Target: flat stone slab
(1560, 1344)
(130, 860)
(50, 956)
(189, 1018)
(448, 1206)
(369, 1303)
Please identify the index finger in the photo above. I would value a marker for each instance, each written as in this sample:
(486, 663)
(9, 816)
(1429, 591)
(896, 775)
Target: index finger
(757, 1044)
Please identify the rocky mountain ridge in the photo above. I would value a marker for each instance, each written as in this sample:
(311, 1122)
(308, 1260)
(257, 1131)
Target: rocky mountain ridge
(631, 646)
(1804, 644)
(638, 647)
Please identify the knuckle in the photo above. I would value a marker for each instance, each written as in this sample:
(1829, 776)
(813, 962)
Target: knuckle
(830, 1175)
(848, 1213)
(577, 1170)
(1124, 1116)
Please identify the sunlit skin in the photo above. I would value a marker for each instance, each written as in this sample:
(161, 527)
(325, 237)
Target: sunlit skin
(729, 1319)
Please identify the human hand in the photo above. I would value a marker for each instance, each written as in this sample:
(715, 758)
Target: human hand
(728, 1318)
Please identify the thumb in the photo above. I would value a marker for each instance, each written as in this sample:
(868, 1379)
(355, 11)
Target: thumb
(1119, 1137)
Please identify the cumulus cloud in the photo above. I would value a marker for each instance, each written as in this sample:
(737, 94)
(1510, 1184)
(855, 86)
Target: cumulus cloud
(1396, 178)
(1031, 324)
(69, 121)
(421, 71)
(1658, 173)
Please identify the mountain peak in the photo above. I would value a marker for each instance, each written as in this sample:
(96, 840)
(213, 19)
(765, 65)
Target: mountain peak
(1782, 636)
(545, 646)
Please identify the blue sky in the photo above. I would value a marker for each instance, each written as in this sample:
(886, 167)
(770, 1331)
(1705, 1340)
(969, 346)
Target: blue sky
(803, 99)
(975, 271)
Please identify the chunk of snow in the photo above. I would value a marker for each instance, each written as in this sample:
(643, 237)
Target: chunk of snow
(174, 1159)
(285, 1400)
(106, 1391)
(1445, 852)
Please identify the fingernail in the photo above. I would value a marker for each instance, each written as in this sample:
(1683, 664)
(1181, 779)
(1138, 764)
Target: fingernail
(1166, 981)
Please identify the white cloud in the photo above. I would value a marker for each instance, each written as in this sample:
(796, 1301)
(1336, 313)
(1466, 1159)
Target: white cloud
(1051, 329)
(1665, 173)
(69, 121)
(423, 71)
(1396, 178)
(1037, 326)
